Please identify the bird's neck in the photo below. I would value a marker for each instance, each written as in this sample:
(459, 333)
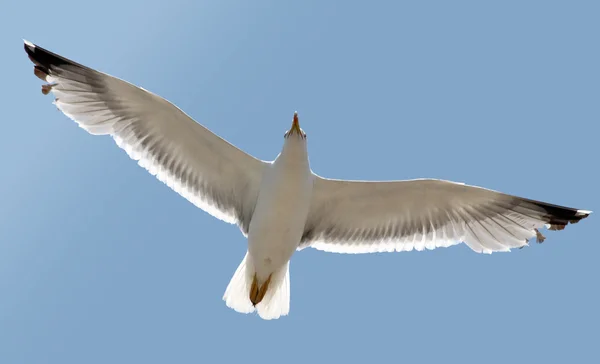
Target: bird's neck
(294, 152)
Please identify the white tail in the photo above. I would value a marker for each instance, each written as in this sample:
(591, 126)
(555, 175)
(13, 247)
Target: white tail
(276, 302)
(237, 294)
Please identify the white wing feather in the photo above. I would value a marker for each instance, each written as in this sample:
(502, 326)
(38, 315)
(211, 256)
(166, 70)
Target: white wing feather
(205, 169)
(366, 217)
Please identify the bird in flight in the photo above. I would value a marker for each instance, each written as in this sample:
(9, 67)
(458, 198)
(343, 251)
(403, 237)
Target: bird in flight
(282, 206)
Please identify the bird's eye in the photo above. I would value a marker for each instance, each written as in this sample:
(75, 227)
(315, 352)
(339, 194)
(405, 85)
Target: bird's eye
(285, 135)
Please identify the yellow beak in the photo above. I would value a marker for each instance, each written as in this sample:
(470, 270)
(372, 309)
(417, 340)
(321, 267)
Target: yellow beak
(295, 124)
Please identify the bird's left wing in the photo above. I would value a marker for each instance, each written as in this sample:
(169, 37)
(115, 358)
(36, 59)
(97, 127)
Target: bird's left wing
(205, 169)
(366, 217)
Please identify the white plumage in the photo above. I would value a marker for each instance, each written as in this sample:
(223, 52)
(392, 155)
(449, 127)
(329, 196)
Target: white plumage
(282, 206)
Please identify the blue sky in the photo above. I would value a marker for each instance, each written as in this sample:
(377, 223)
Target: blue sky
(101, 263)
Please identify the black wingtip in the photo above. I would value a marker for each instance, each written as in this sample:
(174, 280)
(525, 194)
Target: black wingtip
(29, 47)
(572, 219)
(559, 216)
(30, 50)
(44, 58)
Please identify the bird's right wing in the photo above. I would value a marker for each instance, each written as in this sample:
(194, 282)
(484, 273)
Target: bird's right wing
(205, 169)
(365, 217)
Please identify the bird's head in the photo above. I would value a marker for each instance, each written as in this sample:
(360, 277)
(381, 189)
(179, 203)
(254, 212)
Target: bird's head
(295, 131)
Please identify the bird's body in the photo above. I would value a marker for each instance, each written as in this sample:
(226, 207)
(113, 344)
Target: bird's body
(282, 206)
(281, 210)
(274, 235)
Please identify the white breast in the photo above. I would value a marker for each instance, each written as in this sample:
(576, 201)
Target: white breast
(281, 211)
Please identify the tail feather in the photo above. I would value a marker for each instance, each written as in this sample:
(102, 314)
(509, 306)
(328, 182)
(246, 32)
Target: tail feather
(275, 303)
(237, 294)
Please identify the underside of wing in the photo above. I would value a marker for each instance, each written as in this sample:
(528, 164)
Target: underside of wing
(366, 217)
(205, 169)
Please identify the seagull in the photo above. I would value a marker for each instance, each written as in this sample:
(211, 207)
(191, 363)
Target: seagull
(282, 206)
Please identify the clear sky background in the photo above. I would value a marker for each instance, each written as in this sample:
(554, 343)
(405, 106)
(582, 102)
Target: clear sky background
(102, 263)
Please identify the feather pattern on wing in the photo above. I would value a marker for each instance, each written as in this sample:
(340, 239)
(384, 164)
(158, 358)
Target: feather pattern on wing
(205, 169)
(366, 217)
